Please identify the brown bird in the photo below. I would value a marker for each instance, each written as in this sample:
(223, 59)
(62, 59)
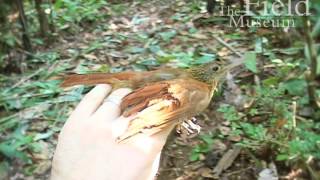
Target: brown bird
(161, 98)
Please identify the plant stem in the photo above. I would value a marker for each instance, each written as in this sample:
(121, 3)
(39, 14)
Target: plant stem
(313, 64)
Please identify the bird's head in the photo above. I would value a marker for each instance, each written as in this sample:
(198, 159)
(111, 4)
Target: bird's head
(212, 73)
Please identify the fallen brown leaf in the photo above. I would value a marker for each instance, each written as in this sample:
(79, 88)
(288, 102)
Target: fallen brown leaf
(226, 161)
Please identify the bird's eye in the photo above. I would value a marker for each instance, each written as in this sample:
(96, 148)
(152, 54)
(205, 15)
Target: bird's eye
(215, 68)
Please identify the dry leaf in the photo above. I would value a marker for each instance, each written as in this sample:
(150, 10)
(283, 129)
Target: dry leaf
(224, 130)
(226, 161)
(199, 36)
(234, 138)
(90, 57)
(206, 172)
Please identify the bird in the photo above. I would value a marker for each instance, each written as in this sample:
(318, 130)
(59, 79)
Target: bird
(160, 98)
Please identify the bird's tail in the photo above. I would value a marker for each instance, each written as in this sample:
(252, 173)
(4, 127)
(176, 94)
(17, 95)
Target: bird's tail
(97, 78)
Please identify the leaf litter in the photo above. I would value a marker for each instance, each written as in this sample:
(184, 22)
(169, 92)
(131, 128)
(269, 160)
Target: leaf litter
(144, 37)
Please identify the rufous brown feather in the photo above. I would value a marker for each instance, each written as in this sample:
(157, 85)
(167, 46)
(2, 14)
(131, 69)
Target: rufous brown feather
(160, 98)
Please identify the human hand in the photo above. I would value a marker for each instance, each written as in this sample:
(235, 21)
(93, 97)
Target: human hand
(87, 146)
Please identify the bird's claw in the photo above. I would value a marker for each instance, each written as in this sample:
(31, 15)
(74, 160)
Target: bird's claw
(189, 126)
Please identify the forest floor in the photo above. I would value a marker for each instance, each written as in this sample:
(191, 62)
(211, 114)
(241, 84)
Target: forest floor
(146, 35)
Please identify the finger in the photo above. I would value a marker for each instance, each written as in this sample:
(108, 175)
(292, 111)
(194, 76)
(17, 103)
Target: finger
(161, 136)
(110, 109)
(151, 143)
(154, 168)
(91, 101)
(120, 125)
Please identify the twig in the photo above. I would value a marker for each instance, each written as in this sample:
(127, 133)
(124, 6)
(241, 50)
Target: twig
(29, 54)
(294, 112)
(227, 45)
(313, 173)
(292, 132)
(311, 76)
(257, 81)
(27, 78)
(28, 96)
(278, 143)
(300, 118)
(32, 75)
(275, 65)
(238, 171)
(226, 160)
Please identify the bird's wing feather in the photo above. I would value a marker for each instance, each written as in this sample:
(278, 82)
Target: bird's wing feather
(162, 104)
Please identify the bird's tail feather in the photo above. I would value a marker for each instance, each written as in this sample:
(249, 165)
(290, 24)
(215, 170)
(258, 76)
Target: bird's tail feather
(97, 78)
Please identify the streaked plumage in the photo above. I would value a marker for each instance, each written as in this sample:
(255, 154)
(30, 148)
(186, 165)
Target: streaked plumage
(160, 98)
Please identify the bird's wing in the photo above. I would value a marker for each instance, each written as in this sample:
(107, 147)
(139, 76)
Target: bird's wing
(162, 104)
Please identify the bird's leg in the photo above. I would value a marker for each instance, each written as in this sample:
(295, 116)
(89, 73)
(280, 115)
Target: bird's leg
(189, 127)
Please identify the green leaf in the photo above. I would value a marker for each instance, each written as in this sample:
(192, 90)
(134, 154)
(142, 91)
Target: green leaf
(10, 149)
(154, 48)
(165, 59)
(258, 45)
(4, 170)
(167, 36)
(289, 51)
(318, 65)
(137, 50)
(192, 30)
(139, 20)
(139, 67)
(45, 135)
(250, 61)
(272, 81)
(194, 156)
(206, 58)
(295, 87)
(207, 139)
(149, 62)
(282, 157)
(229, 112)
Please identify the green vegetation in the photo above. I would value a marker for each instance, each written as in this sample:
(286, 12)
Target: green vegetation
(278, 112)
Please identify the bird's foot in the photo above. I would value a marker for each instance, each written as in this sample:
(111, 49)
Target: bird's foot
(189, 128)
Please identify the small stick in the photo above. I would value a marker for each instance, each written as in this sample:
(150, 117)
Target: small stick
(27, 96)
(29, 54)
(227, 45)
(294, 119)
(294, 112)
(32, 75)
(27, 78)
